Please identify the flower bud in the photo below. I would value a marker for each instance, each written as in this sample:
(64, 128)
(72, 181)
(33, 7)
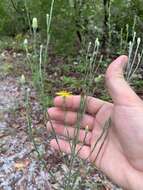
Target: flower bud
(47, 19)
(28, 90)
(98, 79)
(130, 45)
(25, 43)
(97, 42)
(35, 23)
(86, 128)
(22, 79)
(138, 41)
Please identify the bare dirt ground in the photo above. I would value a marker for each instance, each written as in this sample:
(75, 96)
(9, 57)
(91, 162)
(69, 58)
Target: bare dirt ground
(19, 166)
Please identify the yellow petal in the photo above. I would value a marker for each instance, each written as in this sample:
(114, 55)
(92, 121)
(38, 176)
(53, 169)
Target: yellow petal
(64, 93)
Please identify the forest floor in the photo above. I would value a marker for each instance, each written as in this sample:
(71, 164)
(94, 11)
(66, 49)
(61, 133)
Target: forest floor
(20, 167)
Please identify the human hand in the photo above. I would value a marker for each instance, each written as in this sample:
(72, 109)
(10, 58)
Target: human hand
(121, 156)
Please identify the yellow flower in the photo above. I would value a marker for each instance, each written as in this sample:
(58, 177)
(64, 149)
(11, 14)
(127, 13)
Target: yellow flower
(64, 93)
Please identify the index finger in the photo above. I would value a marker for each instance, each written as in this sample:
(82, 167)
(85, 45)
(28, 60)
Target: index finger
(92, 105)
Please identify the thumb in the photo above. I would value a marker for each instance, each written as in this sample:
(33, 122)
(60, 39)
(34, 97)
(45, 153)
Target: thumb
(118, 88)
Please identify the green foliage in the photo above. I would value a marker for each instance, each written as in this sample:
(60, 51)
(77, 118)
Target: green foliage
(72, 82)
(6, 69)
(74, 23)
(12, 18)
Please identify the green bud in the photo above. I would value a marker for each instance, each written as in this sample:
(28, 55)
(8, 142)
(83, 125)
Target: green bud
(25, 43)
(98, 79)
(97, 42)
(22, 79)
(35, 23)
(47, 19)
(138, 41)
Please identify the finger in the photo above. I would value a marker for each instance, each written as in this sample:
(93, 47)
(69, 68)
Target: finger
(70, 132)
(74, 102)
(119, 89)
(66, 147)
(71, 118)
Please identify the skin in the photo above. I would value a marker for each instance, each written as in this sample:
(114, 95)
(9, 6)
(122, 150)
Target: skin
(121, 157)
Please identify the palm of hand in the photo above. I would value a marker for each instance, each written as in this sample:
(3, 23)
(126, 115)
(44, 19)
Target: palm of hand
(122, 151)
(117, 157)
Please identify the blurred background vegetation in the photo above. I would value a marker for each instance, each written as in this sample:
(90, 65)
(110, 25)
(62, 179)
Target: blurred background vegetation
(75, 22)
